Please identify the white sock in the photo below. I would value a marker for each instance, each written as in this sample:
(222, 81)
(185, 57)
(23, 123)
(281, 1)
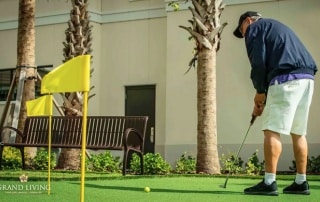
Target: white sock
(300, 178)
(269, 178)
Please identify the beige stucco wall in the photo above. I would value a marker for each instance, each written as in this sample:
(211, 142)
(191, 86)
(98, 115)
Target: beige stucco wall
(137, 43)
(134, 53)
(234, 89)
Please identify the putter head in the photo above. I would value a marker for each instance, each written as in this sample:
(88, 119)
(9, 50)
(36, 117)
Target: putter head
(223, 186)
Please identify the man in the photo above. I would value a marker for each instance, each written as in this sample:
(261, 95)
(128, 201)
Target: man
(282, 72)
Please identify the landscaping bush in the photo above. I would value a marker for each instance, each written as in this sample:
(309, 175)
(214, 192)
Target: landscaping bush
(103, 162)
(186, 164)
(11, 159)
(40, 161)
(229, 164)
(154, 164)
(254, 166)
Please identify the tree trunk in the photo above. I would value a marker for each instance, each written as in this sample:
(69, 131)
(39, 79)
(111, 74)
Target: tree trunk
(206, 30)
(26, 60)
(207, 156)
(69, 159)
(78, 42)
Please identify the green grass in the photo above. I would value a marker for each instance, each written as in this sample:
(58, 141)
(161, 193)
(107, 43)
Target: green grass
(100, 187)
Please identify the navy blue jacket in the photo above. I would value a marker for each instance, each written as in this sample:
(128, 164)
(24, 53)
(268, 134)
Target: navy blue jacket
(273, 49)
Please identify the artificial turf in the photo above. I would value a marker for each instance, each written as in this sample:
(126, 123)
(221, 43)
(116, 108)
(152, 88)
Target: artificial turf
(65, 186)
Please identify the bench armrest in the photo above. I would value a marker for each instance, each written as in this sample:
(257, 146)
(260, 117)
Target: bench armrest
(132, 132)
(12, 128)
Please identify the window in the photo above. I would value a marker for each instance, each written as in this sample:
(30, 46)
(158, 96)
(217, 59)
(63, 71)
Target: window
(6, 76)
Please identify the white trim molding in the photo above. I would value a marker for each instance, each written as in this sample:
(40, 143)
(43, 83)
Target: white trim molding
(133, 15)
(184, 6)
(117, 16)
(100, 18)
(56, 18)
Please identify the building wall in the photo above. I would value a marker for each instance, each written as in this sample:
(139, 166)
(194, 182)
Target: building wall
(139, 42)
(234, 88)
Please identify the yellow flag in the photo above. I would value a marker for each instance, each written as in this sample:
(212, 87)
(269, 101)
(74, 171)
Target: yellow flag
(40, 107)
(72, 76)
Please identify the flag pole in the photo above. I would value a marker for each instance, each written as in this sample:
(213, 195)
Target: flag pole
(84, 140)
(59, 80)
(49, 144)
(42, 106)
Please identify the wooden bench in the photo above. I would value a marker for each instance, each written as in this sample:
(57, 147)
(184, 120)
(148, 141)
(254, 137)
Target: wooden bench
(125, 133)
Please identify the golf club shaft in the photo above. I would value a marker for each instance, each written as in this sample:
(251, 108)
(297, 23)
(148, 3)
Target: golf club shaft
(253, 118)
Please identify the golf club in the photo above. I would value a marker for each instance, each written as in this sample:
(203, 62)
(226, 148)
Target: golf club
(251, 123)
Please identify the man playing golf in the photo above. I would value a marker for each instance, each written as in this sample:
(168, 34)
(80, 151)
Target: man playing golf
(282, 72)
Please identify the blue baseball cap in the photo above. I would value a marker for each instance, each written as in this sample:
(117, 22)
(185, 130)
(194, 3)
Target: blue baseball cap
(237, 32)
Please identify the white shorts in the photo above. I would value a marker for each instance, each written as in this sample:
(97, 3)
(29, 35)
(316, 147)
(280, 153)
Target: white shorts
(287, 107)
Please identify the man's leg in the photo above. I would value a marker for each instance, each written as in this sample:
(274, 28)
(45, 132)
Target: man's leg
(300, 149)
(272, 151)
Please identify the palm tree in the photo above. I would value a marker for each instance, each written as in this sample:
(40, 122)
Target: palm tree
(26, 59)
(78, 42)
(206, 31)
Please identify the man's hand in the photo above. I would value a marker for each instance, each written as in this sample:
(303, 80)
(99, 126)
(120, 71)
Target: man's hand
(259, 102)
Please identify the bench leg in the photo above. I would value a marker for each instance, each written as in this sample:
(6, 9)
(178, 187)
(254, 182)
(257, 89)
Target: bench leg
(126, 152)
(124, 164)
(1, 152)
(141, 163)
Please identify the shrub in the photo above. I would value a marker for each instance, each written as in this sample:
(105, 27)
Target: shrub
(254, 166)
(154, 164)
(103, 162)
(314, 165)
(185, 164)
(40, 161)
(230, 164)
(135, 164)
(11, 158)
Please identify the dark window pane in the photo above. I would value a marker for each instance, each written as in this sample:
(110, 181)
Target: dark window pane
(6, 76)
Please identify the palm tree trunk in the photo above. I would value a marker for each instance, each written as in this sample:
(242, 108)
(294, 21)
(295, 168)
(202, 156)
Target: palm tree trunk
(207, 156)
(26, 59)
(78, 42)
(206, 30)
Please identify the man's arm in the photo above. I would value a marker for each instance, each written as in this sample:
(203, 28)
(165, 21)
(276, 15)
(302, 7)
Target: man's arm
(256, 50)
